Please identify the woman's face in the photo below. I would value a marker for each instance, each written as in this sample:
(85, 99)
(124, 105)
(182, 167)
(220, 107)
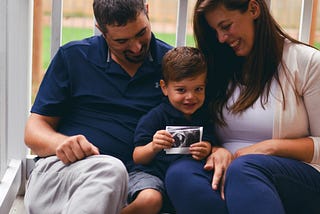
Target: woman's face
(234, 28)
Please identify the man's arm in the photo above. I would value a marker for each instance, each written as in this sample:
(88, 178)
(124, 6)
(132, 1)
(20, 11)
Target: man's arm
(43, 139)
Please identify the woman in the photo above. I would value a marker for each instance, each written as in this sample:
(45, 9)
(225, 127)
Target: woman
(265, 97)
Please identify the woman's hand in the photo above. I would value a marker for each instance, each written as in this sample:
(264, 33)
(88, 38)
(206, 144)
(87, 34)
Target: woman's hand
(219, 161)
(200, 150)
(266, 147)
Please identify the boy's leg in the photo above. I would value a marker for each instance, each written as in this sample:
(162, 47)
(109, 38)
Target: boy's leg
(147, 201)
(145, 193)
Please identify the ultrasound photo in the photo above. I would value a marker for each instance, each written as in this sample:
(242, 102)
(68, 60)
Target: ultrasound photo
(184, 136)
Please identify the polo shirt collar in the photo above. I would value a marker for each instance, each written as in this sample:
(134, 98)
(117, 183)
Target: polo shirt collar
(99, 53)
(172, 111)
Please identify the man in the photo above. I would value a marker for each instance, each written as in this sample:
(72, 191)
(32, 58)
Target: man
(84, 116)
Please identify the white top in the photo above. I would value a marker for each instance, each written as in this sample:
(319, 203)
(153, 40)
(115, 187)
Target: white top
(301, 115)
(252, 126)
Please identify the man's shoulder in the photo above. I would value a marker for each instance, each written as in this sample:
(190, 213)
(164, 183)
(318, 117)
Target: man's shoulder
(163, 46)
(89, 41)
(159, 48)
(92, 49)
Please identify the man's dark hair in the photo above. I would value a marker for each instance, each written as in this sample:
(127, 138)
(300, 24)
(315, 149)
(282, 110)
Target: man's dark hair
(116, 12)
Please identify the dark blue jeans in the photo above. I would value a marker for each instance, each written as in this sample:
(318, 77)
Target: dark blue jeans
(255, 184)
(268, 184)
(189, 189)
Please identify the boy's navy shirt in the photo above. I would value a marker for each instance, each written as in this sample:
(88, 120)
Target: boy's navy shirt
(95, 97)
(157, 119)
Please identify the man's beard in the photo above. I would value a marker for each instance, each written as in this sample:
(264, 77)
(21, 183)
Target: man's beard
(137, 59)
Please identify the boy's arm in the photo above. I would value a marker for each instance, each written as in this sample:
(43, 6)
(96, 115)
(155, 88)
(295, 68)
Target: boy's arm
(145, 154)
(200, 150)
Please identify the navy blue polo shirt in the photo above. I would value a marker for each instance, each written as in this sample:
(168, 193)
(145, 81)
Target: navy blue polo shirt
(96, 97)
(157, 119)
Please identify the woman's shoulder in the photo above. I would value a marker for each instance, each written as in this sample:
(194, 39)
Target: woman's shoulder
(300, 56)
(299, 50)
(303, 64)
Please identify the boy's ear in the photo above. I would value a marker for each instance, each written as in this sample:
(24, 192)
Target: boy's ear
(163, 87)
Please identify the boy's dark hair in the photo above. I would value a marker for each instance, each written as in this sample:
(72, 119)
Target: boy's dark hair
(116, 12)
(183, 62)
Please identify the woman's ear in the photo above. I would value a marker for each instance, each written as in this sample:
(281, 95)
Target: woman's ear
(164, 87)
(147, 7)
(254, 8)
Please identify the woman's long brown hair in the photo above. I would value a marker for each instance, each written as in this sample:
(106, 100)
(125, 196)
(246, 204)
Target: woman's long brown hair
(226, 70)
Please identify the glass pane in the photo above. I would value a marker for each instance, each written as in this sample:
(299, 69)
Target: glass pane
(287, 14)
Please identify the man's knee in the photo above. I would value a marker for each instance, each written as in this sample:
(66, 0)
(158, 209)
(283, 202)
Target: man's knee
(109, 169)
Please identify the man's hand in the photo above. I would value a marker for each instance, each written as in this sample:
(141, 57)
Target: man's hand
(219, 160)
(75, 148)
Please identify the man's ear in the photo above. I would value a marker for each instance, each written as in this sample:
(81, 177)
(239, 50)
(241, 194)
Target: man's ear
(147, 7)
(254, 8)
(97, 26)
(164, 87)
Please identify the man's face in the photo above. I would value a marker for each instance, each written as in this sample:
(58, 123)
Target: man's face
(129, 43)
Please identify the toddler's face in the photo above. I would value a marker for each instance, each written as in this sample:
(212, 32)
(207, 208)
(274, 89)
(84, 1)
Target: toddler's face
(186, 95)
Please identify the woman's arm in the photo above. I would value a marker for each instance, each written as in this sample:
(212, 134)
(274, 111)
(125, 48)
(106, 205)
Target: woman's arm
(300, 149)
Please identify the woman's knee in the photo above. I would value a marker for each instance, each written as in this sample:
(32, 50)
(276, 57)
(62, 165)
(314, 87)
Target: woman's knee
(245, 163)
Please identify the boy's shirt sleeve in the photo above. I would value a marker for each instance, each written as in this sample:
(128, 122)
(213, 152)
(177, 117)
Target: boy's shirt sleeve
(148, 125)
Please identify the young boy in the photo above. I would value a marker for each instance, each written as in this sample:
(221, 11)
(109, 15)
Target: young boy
(183, 84)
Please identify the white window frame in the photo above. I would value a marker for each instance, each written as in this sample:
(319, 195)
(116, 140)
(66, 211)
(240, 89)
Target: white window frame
(3, 89)
(15, 72)
(305, 20)
(15, 82)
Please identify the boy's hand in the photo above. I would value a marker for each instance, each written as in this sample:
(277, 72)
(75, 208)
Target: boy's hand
(200, 150)
(162, 140)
